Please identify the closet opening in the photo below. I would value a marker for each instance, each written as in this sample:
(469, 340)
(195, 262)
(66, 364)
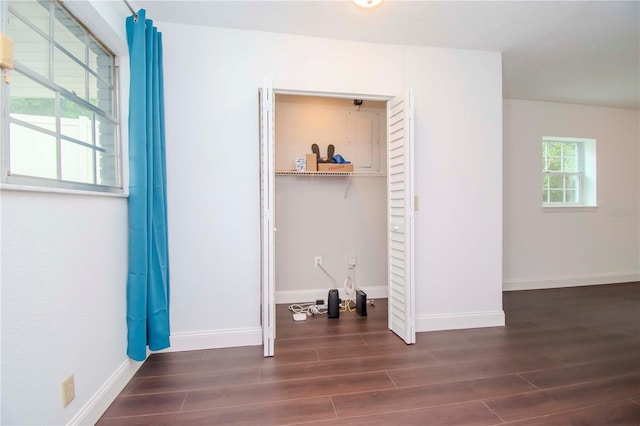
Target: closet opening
(337, 214)
(331, 217)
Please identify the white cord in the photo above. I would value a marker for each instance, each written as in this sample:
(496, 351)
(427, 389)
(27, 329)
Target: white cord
(353, 274)
(335, 284)
(349, 288)
(306, 308)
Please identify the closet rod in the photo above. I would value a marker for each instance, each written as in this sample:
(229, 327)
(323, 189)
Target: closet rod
(135, 14)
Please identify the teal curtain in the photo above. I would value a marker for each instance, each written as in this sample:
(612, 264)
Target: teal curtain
(148, 278)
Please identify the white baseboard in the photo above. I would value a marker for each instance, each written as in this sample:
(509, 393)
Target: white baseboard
(311, 295)
(569, 281)
(91, 412)
(459, 321)
(212, 339)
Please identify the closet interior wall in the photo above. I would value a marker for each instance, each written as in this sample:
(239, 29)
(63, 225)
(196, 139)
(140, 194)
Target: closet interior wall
(330, 216)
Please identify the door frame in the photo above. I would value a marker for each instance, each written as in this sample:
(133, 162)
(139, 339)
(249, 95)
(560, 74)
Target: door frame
(266, 100)
(268, 258)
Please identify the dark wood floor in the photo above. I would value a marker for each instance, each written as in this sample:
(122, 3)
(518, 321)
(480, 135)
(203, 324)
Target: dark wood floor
(566, 356)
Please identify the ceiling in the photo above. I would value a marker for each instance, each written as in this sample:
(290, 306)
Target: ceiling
(585, 52)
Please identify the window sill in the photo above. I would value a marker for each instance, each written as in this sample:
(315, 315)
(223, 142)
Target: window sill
(50, 190)
(568, 208)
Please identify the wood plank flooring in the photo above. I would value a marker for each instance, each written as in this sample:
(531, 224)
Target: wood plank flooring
(567, 356)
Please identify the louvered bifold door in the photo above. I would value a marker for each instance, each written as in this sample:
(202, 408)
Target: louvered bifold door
(400, 218)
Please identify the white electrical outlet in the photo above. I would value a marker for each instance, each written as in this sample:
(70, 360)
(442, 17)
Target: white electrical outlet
(351, 261)
(318, 261)
(68, 391)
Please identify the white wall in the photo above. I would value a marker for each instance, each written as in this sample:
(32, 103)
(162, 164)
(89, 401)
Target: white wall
(63, 276)
(64, 273)
(313, 217)
(301, 121)
(555, 248)
(213, 170)
(458, 119)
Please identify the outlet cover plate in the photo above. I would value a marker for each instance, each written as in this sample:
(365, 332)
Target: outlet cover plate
(68, 391)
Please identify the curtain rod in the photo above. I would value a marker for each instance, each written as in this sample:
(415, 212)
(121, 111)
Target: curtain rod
(135, 14)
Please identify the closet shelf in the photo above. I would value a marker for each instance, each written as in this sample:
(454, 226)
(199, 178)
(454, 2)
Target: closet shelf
(294, 173)
(347, 174)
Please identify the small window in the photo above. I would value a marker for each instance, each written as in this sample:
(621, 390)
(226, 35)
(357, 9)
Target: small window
(568, 167)
(63, 127)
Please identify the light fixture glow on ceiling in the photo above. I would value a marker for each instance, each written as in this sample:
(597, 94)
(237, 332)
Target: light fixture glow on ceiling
(367, 3)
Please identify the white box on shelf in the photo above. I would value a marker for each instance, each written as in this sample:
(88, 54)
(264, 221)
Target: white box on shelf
(301, 164)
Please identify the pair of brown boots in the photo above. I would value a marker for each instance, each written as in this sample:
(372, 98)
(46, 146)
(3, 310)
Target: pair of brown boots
(330, 151)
